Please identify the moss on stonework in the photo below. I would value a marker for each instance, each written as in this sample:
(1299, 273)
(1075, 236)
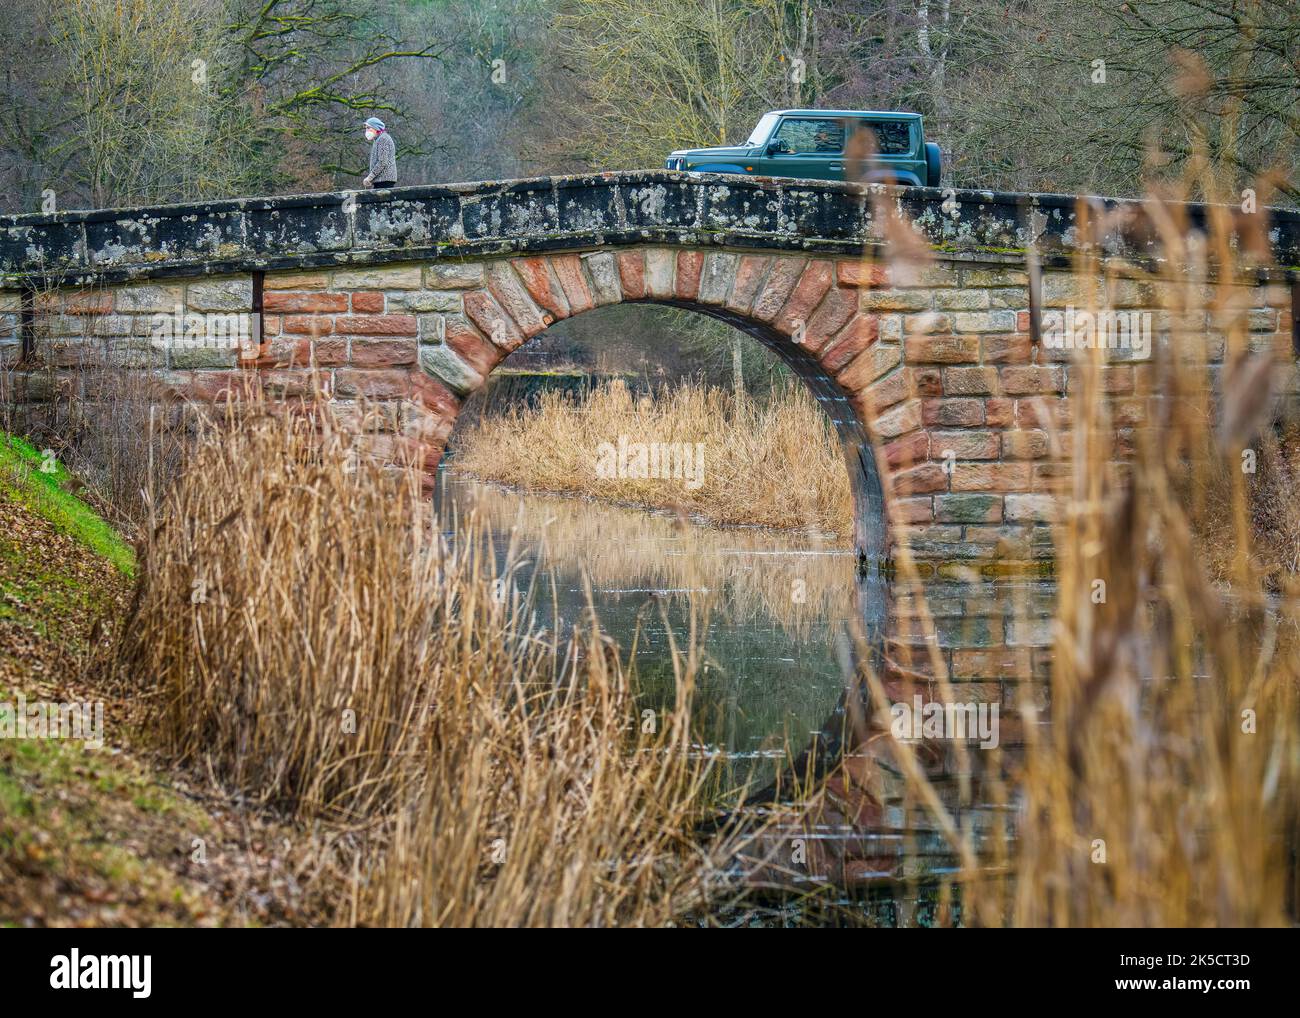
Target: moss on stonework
(981, 248)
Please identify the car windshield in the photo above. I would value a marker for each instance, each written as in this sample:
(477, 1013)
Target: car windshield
(762, 129)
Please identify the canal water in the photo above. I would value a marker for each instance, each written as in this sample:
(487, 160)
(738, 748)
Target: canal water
(769, 608)
(773, 614)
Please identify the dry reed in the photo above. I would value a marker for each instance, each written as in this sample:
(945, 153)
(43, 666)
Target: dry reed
(301, 630)
(1162, 786)
(772, 464)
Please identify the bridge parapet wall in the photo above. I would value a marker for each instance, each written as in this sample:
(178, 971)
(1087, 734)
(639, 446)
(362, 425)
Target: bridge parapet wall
(966, 416)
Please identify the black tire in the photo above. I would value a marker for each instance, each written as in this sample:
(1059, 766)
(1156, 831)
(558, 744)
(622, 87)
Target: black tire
(933, 164)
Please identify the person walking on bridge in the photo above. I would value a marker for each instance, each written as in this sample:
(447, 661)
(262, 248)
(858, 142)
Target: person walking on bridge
(383, 155)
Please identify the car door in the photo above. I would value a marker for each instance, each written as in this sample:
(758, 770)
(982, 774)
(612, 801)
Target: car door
(891, 146)
(811, 147)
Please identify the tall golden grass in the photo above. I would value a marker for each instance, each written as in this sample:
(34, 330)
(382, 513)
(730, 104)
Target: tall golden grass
(301, 631)
(1162, 786)
(774, 464)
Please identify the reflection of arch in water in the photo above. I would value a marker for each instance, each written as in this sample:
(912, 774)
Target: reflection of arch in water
(747, 573)
(773, 656)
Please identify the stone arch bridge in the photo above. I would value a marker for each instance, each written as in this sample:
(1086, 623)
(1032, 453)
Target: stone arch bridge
(912, 314)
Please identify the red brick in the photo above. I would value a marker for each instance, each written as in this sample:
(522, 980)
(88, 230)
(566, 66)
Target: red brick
(381, 383)
(1131, 410)
(1024, 445)
(1012, 477)
(943, 349)
(483, 310)
(1022, 321)
(536, 275)
(308, 325)
(1021, 381)
(1052, 477)
(751, 270)
(285, 383)
(631, 271)
(893, 388)
(1117, 380)
(861, 273)
(785, 274)
(686, 284)
(382, 353)
(966, 445)
(283, 351)
(970, 381)
(999, 413)
(929, 381)
(866, 367)
(568, 270)
(860, 332)
(377, 325)
(429, 393)
(898, 420)
(1014, 348)
(836, 309)
(990, 664)
(369, 302)
(215, 386)
(953, 413)
(474, 350)
(914, 510)
(805, 296)
(917, 480)
(325, 353)
(907, 451)
(514, 298)
(1044, 412)
(292, 301)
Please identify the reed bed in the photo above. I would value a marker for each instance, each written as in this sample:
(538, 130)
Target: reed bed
(301, 631)
(775, 463)
(1160, 787)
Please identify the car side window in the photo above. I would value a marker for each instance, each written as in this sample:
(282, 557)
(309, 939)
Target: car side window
(893, 137)
(810, 136)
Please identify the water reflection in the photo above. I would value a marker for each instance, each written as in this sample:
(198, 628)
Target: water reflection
(767, 605)
(773, 612)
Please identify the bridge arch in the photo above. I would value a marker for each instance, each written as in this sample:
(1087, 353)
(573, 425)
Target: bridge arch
(803, 309)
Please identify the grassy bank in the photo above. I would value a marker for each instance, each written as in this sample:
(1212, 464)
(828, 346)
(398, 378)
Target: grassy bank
(89, 834)
(775, 463)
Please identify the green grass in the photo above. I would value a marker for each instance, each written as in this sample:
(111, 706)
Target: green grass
(40, 483)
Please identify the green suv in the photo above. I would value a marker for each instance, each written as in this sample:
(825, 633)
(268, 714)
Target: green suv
(811, 144)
